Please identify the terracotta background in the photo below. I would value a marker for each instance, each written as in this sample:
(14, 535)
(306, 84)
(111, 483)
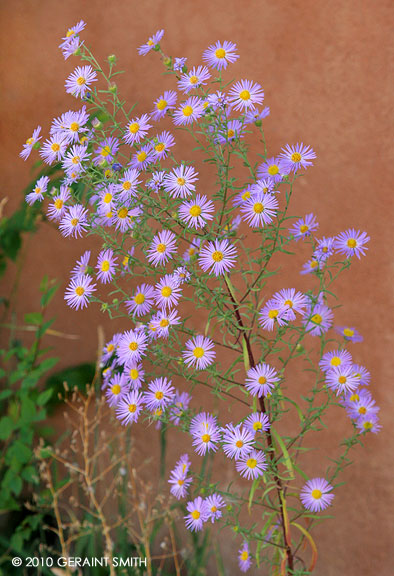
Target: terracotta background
(328, 73)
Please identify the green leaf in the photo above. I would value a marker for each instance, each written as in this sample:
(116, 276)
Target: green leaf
(286, 455)
(44, 397)
(253, 489)
(7, 426)
(33, 318)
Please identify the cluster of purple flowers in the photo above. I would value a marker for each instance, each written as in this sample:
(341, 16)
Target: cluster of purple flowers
(133, 176)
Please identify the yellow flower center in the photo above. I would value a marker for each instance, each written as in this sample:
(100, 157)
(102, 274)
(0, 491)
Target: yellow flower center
(220, 53)
(110, 348)
(214, 509)
(139, 298)
(354, 398)
(258, 208)
(70, 33)
(107, 198)
(150, 42)
(362, 410)
(244, 95)
(133, 374)
(126, 185)
(317, 319)
(164, 323)
(81, 81)
(367, 425)
(161, 104)
(273, 170)
(166, 291)
(105, 265)
(132, 408)
(161, 248)
(262, 380)
(76, 159)
(125, 261)
(141, 156)
(316, 494)
(251, 463)
(230, 133)
(74, 126)
(79, 290)
(160, 147)
(195, 514)
(58, 203)
(133, 346)
(304, 228)
(342, 379)
(55, 147)
(134, 127)
(205, 438)
(352, 243)
(74, 221)
(37, 190)
(257, 426)
(159, 395)
(244, 555)
(105, 151)
(198, 352)
(289, 303)
(217, 256)
(195, 211)
(193, 79)
(239, 443)
(30, 141)
(273, 313)
(181, 181)
(335, 361)
(187, 111)
(348, 332)
(122, 213)
(115, 389)
(181, 482)
(296, 157)
(246, 195)
(314, 263)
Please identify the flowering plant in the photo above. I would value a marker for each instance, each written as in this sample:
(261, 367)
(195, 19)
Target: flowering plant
(169, 250)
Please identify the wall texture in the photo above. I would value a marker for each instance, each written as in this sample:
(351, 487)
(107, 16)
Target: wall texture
(327, 71)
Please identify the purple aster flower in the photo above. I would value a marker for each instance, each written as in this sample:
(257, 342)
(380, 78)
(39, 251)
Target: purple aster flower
(74, 222)
(179, 479)
(237, 441)
(143, 158)
(163, 320)
(106, 199)
(265, 186)
(290, 301)
(28, 145)
(78, 291)
(142, 300)
(199, 352)
(298, 156)
(126, 260)
(189, 111)
(334, 359)
(217, 100)
(213, 504)
(73, 160)
(360, 404)
(137, 129)
(124, 217)
(57, 208)
(196, 77)
(70, 125)
(180, 182)
(217, 257)
(156, 182)
(304, 227)
(131, 347)
(260, 209)
(71, 47)
(320, 321)
(80, 80)
(128, 184)
(71, 37)
(161, 145)
(244, 95)
(324, 249)
(234, 129)
(106, 151)
(311, 266)
(255, 117)
(205, 432)
(253, 465)
(349, 333)
(162, 248)
(160, 394)
(117, 389)
(261, 380)
(179, 63)
(151, 43)
(362, 374)
(53, 149)
(197, 212)
(316, 494)
(341, 379)
(39, 190)
(81, 265)
(110, 348)
(197, 514)
(246, 194)
(369, 423)
(220, 54)
(257, 422)
(167, 292)
(181, 275)
(134, 374)
(351, 243)
(181, 404)
(244, 560)
(106, 266)
(163, 104)
(271, 315)
(273, 168)
(129, 407)
(193, 250)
